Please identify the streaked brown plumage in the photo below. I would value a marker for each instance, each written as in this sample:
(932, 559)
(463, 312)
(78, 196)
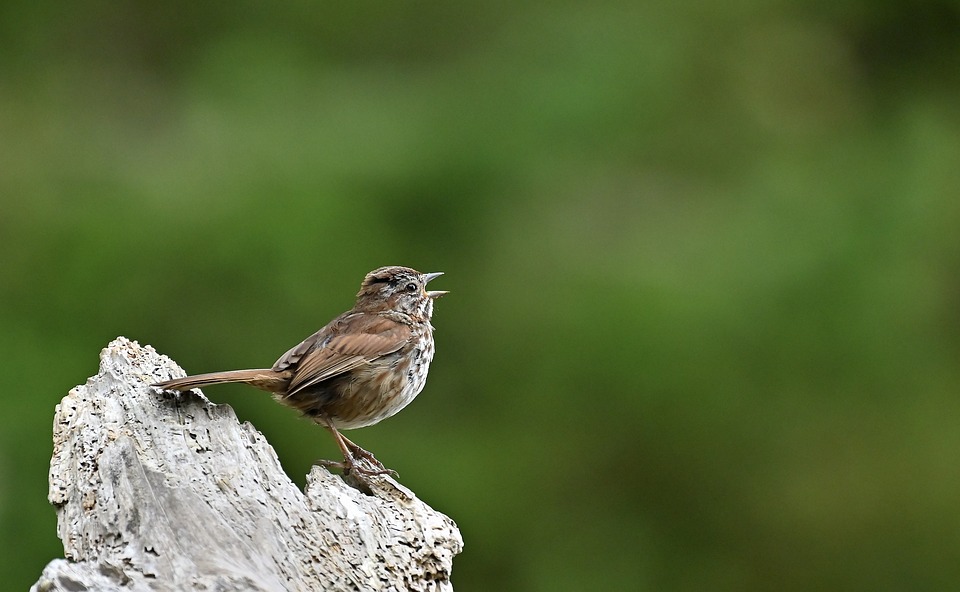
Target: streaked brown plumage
(361, 368)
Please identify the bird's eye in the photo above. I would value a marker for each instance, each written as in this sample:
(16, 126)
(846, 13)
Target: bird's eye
(411, 287)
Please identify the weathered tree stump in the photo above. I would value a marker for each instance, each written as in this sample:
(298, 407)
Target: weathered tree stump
(161, 492)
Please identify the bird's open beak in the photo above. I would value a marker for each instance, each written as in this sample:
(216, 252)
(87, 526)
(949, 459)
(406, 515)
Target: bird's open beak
(427, 277)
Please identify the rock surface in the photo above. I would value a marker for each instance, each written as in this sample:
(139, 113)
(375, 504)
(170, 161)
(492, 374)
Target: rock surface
(161, 492)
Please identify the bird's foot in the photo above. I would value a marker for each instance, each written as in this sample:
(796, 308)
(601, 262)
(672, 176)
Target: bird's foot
(364, 466)
(356, 451)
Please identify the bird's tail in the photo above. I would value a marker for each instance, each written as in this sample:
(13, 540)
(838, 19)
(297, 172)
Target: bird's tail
(263, 379)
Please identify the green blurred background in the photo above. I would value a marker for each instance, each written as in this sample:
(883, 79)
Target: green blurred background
(703, 260)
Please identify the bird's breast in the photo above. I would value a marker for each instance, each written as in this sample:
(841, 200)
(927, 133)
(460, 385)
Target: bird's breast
(382, 388)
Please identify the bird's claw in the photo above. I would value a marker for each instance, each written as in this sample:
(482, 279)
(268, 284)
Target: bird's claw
(355, 467)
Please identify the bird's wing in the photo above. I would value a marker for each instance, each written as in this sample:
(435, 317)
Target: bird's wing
(369, 337)
(296, 353)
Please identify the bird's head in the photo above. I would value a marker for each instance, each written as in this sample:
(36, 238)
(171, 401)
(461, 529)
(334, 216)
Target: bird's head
(399, 288)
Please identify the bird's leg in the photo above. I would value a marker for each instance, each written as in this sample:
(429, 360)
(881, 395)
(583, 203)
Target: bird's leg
(350, 453)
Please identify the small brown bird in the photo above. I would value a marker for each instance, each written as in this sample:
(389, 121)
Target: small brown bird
(361, 368)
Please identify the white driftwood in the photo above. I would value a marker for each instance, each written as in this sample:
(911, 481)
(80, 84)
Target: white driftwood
(160, 492)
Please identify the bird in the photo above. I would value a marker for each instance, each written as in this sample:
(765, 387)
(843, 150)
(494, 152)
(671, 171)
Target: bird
(357, 370)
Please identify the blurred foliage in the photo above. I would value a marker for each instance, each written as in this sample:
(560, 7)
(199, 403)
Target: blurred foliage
(703, 260)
